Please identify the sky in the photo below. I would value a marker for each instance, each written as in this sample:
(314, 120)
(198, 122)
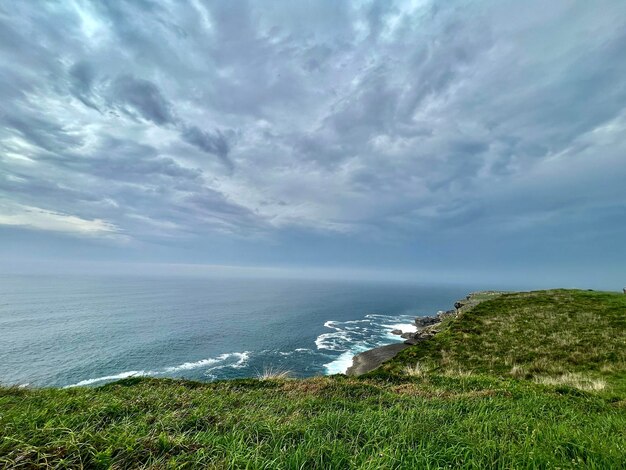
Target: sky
(427, 140)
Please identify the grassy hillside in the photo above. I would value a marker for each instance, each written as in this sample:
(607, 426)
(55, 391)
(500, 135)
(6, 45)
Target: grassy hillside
(575, 338)
(525, 380)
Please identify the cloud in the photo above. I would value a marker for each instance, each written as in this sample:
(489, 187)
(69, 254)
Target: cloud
(214, 143)
(82, 78)
(348, 120)
(39, 131)
(140, 96)
(42, 219)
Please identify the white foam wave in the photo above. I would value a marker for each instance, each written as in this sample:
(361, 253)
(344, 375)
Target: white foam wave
(341, 364)
(241, 362)
(106, 378)
(372, 316)
(192, 365)
(405, 327)
(332, 341)
(241, 359)
(352, 337)
(210, 361)
(291, 353)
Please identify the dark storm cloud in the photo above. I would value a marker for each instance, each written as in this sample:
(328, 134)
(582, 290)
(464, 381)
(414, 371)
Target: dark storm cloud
(139, 98)
(116, 159)
(214, 143)
(82, 78)
(378, 119)
(142, 97)
(38, 131)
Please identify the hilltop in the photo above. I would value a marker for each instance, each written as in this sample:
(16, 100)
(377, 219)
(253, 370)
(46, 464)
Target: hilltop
(532, 380)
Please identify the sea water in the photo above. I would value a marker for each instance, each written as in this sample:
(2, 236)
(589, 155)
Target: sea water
(64, 331)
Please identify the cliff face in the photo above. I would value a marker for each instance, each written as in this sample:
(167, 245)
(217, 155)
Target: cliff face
(427, 327)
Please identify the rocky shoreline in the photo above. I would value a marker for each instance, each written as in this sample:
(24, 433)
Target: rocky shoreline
(427, 327)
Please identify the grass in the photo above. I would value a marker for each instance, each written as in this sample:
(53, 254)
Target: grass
(525, 380)
(575, 337)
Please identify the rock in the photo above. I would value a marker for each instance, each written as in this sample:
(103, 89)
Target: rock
(446, 314)
(407, 335)
(396, 332)
(370, 360)
(426, 321)
(413, 341)
(458, 305)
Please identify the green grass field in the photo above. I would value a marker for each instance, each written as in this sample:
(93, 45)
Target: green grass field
(524, 380)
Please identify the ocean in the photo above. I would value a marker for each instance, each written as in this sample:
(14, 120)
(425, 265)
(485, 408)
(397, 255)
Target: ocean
(80, 331)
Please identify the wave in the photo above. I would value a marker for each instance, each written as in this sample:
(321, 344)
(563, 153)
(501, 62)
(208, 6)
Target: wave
(405, 327)
(352, 337)
(240, 360)
(344, 361)
(108, 378)
(332, 341)
(333, 353)
(289, 353)
(336, 340)
(192, 365)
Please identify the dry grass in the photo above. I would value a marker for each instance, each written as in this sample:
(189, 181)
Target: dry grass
(614, 367)
(315, 386)
(271, 373)
(570, 379)
(417, 370)
(519, 371)
(418, 390)
(457, 372)
(578, 381)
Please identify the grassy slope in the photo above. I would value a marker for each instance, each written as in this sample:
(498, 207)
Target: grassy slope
(573, 337)
(531, 380)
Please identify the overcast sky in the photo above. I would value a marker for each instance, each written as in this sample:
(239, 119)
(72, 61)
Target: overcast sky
(452, 139)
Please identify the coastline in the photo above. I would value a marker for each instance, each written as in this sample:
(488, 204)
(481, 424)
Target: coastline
(498, 373)
(427, 327)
